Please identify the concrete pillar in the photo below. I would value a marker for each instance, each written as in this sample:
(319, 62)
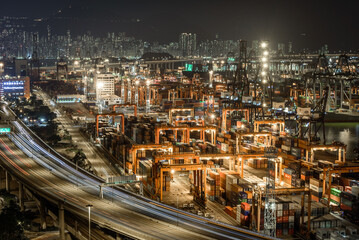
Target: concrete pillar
(7, 181)
(21, 197)
(42, 214)
(62, 221)
(341, 93)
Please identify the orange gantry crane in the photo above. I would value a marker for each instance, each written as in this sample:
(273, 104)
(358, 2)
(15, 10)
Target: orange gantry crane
(186, 130)
(113, 115)
(199, 178)
(225, 111)
(267, 139)
(338, 170)
(272, 122)
(188, 158)
(123, 106)
(172, 110)
(200, 122)
(142, 147)
(333, 147)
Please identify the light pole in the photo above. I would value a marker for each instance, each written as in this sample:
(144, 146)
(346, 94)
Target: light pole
(76, 63)
(137, 82)
(148, 97)
(89, 206)
(211, 79)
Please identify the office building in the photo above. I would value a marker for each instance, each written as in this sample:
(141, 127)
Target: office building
(105, 85)
(15, 87)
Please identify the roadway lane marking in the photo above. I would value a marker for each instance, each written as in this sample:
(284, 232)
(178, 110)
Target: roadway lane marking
(9, 149)
(13, 163)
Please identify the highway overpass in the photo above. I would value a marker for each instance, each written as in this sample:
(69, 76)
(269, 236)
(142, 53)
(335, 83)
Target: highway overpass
(47, 174)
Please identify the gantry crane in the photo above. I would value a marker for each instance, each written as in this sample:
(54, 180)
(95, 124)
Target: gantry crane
(113, 115)
(142, 147)
(124, 106)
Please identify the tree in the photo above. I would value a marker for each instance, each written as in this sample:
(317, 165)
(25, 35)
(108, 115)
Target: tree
(12, 223)
(79, 158)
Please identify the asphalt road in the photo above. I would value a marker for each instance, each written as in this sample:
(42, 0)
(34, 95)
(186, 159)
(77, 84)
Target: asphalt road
(58, 181)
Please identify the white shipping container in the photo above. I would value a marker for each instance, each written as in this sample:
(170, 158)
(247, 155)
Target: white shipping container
(303, 111)
(278, 105)
(315, 188)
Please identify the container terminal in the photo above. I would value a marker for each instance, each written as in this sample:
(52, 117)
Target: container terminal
(241, 141)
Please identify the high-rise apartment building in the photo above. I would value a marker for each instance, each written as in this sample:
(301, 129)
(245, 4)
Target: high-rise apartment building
(188, 44)
(290, 47)
(281, 48)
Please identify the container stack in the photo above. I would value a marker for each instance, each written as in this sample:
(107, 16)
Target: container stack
(216, 177)
(145, 169)
(285, 218)
(347, 200)
(335, 196)
(316, 186)
(211, 188)
(245, 214)
(257, 163)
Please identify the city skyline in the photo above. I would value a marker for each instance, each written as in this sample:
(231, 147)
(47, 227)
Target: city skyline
(306, 24)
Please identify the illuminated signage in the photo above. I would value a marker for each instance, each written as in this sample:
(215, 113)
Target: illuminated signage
(189, 67)
(5, 130)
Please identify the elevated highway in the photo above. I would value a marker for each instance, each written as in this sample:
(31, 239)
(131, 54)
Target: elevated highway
(47, 174)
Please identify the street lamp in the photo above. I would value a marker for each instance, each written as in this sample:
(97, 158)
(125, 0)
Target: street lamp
(89, 206)
(264, 44)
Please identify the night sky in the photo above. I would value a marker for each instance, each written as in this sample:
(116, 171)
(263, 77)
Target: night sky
(309, 24)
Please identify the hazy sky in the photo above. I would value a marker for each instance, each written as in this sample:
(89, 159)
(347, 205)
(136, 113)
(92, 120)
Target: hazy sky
(305, 23)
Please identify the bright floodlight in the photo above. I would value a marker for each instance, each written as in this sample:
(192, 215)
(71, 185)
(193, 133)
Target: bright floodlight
(213, 116)
(211, 72)
(264, 104)
(172, 171)
(1, 64)
(264, 59)
(264, 73)
(263, 44)
(264, 81)
(265, 65)
(265, 53)
(100, 85)
(148, 82)
(76, 62)
(137, 82)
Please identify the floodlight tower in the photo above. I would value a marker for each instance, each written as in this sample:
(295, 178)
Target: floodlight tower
(266, 82)
(137, 82)
(148, 96)
(129, 91)
(270, 206)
